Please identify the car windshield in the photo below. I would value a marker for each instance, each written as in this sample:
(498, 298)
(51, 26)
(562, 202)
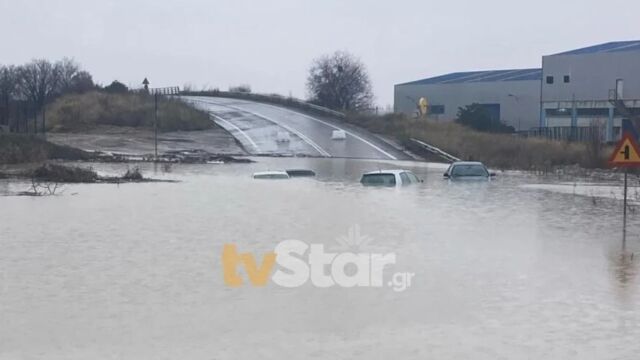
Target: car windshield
(469, 170)
(378, 180)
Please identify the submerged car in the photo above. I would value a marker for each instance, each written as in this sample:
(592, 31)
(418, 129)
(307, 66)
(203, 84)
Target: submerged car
(300, 173)
(389, 178)
(338, 135)
(460, 170)
(271, 175)
(283, 137)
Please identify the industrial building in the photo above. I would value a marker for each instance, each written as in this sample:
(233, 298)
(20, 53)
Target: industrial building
(512, 96)
(592, 87)
(596, 86)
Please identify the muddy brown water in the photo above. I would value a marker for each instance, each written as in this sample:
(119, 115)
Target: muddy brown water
(517, 268)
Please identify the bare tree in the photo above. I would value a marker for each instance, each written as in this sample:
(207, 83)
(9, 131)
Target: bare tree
(67, 70)
(39, 188)
(340, 81)
(8, 89)
(39, 81)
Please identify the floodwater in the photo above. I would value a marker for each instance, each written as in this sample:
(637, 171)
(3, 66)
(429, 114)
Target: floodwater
(522, 267)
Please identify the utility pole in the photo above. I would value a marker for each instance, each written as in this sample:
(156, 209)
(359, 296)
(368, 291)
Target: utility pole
(155, 125)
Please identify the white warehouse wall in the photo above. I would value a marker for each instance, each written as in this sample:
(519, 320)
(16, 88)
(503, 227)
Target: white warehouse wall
(591, 75)
(522, 111)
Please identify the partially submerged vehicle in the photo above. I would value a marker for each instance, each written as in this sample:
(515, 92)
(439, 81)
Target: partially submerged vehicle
(389, 178)
(271, 175)
(300, 173)
(468, 170)
(283, 137)
(338, 135)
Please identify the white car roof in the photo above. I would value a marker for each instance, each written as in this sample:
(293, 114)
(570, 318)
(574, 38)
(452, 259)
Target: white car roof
(275, 172)
(396, 172)
(467, 163)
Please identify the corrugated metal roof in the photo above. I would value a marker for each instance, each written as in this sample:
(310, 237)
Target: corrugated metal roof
(610, 47)
(481, 76)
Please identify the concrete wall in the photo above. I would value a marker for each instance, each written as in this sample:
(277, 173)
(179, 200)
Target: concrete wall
(591, 75)
(520, 111)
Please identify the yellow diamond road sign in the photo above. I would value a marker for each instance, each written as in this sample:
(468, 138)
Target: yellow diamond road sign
(626, 153)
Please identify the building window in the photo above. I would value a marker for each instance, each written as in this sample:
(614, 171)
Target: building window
(436, 109)
(600, 112)
(549, 79)
(558, 112)
(567, 79)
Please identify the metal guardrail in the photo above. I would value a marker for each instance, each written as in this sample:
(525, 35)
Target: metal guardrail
(434, 150)
(271, 99)
(172, 90)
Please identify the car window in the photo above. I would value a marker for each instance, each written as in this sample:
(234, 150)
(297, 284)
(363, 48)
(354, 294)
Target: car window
(413, 178)
(469, 170)
(448, 170)
(378, 180)
(405, 178)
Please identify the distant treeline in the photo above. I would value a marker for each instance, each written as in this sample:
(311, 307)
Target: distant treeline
(25, 90)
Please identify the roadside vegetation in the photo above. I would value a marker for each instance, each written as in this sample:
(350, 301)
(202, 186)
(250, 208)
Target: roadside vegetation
(502, 151)
(20, 149)
(59, 96)
(78, 112)
(340, 81)
(477, 117)
(50, 179)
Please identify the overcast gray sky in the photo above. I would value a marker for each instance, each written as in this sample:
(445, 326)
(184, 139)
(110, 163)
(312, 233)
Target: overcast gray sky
(270, 44)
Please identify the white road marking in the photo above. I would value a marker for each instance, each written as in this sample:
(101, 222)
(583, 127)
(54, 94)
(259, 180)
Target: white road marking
(244, 134)
(302, 136)
(336, 128)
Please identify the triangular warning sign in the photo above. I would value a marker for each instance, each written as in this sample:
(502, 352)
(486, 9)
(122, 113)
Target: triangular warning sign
(626, 153)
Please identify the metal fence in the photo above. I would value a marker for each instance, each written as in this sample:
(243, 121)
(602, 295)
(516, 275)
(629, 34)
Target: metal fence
(570, 133)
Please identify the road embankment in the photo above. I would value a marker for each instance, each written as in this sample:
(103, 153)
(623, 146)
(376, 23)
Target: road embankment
(501, 151)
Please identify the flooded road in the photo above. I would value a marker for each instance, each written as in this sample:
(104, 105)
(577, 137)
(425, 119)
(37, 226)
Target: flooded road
(257, 127)
(508, 269)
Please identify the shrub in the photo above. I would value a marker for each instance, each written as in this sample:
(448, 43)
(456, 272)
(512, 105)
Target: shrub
(476, 116)
(244, 88)
(17, 149)
(133, 175)
(116, 87)
(64, 174)
(504, 151)
(85, 111)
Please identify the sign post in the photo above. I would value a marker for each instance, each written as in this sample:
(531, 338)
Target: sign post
(157, 92)
(626, 155)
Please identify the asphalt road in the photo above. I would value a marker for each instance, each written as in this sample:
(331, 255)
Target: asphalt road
(257, 127)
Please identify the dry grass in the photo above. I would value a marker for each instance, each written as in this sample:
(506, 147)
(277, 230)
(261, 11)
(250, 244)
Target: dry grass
(64, 174)
(503, 151)
(80, 112)
(19, 149)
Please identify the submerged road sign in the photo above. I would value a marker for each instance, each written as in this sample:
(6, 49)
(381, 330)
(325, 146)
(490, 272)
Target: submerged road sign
(627, 152)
